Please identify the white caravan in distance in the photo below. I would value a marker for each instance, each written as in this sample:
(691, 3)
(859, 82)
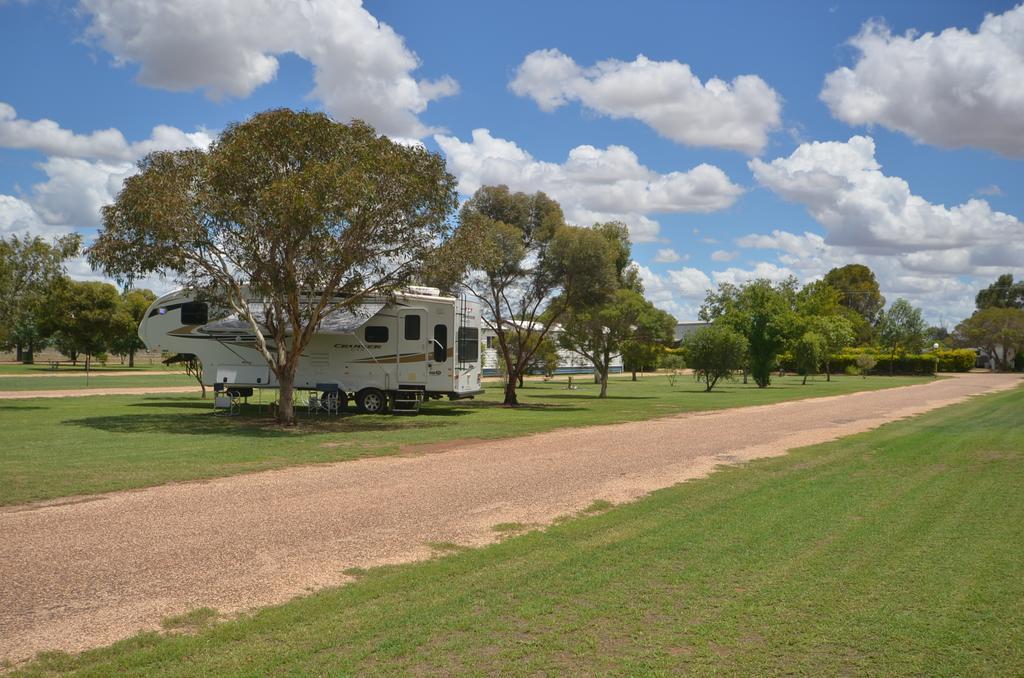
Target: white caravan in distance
(385, 354)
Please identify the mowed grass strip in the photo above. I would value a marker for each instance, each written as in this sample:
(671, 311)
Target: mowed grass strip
(61, 447)
(78, 381)
(42, 366)
(897, 551)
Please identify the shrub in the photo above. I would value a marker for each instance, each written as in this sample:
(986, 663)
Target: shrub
(955, 360)
(672, 360)
(851, 370)
(908, 364)
(715, 352)
(864, 362)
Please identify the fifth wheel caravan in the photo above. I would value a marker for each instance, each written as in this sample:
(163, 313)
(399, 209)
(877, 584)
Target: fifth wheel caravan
(384, 354)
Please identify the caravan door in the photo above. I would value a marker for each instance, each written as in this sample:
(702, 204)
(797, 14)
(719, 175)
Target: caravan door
(412, 347)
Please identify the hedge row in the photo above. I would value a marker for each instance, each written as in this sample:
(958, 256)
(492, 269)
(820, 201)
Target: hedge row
(908, 364)
(956, 360)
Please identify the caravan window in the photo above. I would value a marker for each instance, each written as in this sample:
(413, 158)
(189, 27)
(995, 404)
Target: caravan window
(376, 334)
(194, 313)
(469, 344)
(440, 343)
(412, 327)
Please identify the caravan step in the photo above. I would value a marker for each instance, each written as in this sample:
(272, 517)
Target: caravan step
(406, 402)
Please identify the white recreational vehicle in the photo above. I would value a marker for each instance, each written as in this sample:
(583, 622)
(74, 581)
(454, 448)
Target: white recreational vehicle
(385, 354)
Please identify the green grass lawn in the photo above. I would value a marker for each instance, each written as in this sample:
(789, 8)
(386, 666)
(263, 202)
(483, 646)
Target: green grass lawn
(43, 367)
(898, 551)
(61, 447)
(76, 381)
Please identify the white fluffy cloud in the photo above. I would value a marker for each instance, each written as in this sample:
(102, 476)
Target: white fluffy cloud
(680, 292)
(724, 255)
(942, 282)
(48, 137)
(19, 217)
(669, 256)
(936, 256)
(83, 171)
(665, 95)
(76, 189)
(957, 88)
(843, 188)
(763, 269)
(361, 67)
(592, 184)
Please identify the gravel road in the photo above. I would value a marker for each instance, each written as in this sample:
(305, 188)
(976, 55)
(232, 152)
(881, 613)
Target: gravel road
(79, 392)
(90, 570)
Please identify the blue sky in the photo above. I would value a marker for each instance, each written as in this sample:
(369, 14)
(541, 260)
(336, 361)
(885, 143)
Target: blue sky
(735, 139)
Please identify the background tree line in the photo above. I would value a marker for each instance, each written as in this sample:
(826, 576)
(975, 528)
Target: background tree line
(311, 216)
(41, 307)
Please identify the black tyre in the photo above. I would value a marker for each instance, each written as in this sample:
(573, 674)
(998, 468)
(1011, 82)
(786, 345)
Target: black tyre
(372, 401)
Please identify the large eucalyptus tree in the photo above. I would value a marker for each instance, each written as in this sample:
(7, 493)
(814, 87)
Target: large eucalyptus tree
(305, 214)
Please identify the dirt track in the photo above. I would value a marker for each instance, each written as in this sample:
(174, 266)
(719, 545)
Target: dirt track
(79, 392)
(93, 375)
(89, 571)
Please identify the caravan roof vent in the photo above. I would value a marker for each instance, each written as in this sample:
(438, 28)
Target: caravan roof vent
(423, 290)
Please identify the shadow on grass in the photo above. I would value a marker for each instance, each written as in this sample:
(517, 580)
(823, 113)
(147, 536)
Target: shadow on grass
(177, 404)
(595, 396)
(253, 423)
(22, 407)
(539, 407)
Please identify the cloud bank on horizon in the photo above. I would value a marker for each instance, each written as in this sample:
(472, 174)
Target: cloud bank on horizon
(675, 139)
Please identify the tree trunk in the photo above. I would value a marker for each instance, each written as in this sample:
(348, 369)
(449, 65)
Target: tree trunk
(634, 375)
(805, 380)
(286, 400)
(29, 357)
(522, 380)
(510, 393)
(17, 352)
(131, 358)
(604, 384)
(203, 387)
(828, 371)
(744, 376)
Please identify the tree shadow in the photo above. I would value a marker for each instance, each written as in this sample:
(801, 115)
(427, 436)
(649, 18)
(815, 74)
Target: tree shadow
(21, 408)
(176, 404)
(540, 407)
(181, 424)
(595, 396)
(254, 422)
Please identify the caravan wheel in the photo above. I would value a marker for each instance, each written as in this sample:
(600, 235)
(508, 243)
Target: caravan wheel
(371, 401)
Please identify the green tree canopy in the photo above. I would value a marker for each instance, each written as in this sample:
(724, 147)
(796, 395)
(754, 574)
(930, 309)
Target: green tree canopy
(29, 269)
(85, 315)
(1003, 293)
(528, 268)
(621, 323)
(132, 310)
(1000, 331)
(901, 330)
(858, 289)
(305, 214)
(809, 353)
(714, 352)
(835, 332)
(763, 313)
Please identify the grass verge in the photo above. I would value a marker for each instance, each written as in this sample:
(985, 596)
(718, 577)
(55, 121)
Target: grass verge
(897, 551)
(66, 382)
(62, 447)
